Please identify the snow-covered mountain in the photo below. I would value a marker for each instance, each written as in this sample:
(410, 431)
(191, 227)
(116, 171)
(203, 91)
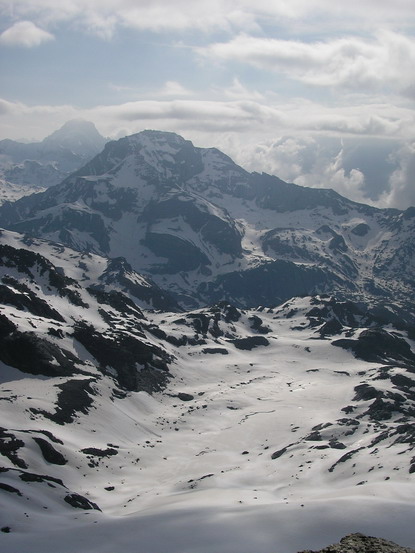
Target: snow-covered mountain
(269, 417)
(27, 168)
(207, 230)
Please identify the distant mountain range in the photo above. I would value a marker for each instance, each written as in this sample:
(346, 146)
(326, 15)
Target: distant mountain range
(207, 230)
(31, 167)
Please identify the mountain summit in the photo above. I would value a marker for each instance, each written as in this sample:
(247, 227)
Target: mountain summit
(78, 136)
(208, 230)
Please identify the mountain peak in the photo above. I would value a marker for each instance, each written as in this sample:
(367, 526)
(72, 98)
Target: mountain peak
(77, 135)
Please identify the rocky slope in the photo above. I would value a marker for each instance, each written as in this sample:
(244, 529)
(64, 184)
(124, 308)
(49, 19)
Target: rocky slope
(207, 230)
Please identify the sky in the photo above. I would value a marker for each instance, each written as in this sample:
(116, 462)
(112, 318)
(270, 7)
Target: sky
(318, 92)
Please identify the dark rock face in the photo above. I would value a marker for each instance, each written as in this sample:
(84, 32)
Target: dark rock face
(180, 254)
(100, 452)
(250, 342)
(20, 296)
(35, 266)
(75, 397)
(379, 345)
(81, 502)
(183, 255)
(9, 446)
(139, 365)
(120, 272)
(268, 284)
(359, 543)
(213, 351)
(361, 229)
(185, 397)
(50, 454)
(31, 354)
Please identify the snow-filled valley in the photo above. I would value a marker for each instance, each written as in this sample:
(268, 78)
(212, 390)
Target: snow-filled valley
(263, 440)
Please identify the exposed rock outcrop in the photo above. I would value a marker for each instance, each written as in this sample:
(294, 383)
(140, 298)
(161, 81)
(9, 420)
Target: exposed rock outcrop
(359, 543)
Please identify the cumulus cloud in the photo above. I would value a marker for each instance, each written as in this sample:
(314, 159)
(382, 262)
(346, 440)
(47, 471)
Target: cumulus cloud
(24, 33)
(378, 172)
(331, 174)
(353, 63)
(401, 192)
(312, 162)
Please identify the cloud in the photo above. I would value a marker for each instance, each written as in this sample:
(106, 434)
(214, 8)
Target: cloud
(237, 91)
(351, 63)
(6, 107)
(378, 172)
(312, 162)
(330, 173)
(24, 33)
(401, 192)
(175, 89)
(201, 115)
(259, 119)
(105, 16)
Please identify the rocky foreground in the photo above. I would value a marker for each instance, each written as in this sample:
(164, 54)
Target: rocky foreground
(359, 543)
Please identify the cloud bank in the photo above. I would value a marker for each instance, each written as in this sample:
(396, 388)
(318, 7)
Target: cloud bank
(352, 63)
(105, 16)
(379, 170)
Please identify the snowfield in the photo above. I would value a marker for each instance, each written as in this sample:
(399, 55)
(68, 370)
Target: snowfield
(236, 455)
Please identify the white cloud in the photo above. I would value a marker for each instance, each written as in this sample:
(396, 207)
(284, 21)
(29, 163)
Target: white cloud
(311, 162)
(237, 91)
(257, 120)
(105, 16)
(24, 33)
(174, 89)
(331, 174)
(386, 61)
(401, 192)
